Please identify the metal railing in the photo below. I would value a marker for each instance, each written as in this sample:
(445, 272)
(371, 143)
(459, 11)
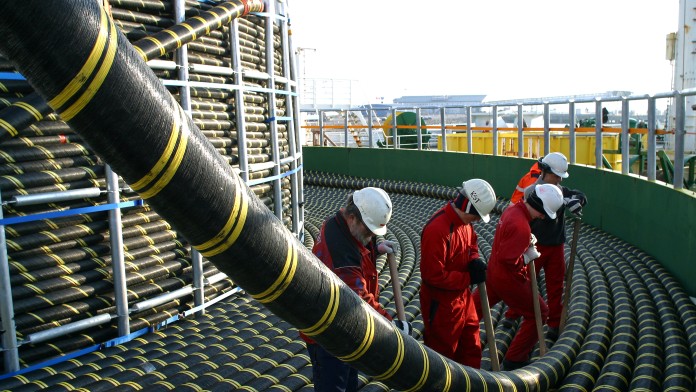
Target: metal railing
(637, 137)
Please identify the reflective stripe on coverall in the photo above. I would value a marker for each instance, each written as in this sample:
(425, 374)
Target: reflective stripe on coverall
(528, 179)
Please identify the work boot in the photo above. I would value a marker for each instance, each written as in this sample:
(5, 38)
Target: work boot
(514, 365)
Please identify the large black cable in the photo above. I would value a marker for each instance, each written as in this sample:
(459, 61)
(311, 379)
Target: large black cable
(198, 204)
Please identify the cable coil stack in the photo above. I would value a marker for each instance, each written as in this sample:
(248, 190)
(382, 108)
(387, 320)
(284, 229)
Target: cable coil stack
(234, 79)
(630, 326)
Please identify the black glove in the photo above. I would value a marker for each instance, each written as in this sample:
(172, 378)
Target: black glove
(477, 271)
(404, 326)
(580, 196)
(574, 205)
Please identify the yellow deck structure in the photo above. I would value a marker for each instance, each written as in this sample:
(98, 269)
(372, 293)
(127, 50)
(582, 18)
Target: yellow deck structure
(482, 143)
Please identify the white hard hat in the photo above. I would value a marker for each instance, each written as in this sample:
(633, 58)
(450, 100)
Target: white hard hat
(557, 163)
(546, 197)
(481, 196)
(375, 207)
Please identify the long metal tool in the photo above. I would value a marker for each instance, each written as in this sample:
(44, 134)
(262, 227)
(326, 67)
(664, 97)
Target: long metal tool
(537, 309)
(490, 333)
(569, 274)
(400, 314)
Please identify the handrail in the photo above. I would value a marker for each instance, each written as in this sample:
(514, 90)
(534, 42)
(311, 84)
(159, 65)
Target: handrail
(678, 131)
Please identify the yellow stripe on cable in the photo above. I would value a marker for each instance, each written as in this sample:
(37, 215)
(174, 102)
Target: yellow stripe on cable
(8, 127)
(426, 370)
(141, 53)
(330, 313)
(514, 387)
(224, 239)
(84, 74)
(219, 23)
(278, 287)
(205, 23)
(99, 78)
(189, 28)
(32, 110)
(398, 360)
(175, 36)
(157, 43)
(367, 339)
(448, 376)
(179, 134)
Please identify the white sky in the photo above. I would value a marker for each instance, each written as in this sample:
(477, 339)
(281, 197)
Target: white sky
(504, 49)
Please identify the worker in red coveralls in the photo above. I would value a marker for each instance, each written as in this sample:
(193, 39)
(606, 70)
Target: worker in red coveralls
(450, 263)
(347, 245)
(550, 235)
(508, 276)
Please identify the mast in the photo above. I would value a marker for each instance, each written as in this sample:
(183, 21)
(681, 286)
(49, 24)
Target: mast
(685, 72)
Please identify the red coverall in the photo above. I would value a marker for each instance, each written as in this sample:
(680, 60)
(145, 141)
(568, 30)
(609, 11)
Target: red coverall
(449, 315)
(354, 263)
(528, 179)
(507, 279)
(550, 234)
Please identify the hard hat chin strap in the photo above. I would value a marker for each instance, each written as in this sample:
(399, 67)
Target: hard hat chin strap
(470, 209)
(460, 200)
(536, 203)
(464, 204)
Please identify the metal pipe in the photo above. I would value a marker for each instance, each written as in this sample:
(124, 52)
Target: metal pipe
(419, 134)
(183, 74)
(10, 352)
(495, 130)
(181, 56)
(117, 257)
(652, 161)
(394, 129)
(53, 197)
(198, 277)
(254, 74)
(286, 52)
(161, 299)
(369, 127)
(571, 131)
(679, 136)
(162, 64)
(547, 129)
(269, 16)
(469, 136)
(215, 278)
(321, 128)
(211, 69)
(294, 75)
(239, 109)
(520, 132)
(624, 137)
(598, 134)
(42, 336)
(345, 128)
(443, 129)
